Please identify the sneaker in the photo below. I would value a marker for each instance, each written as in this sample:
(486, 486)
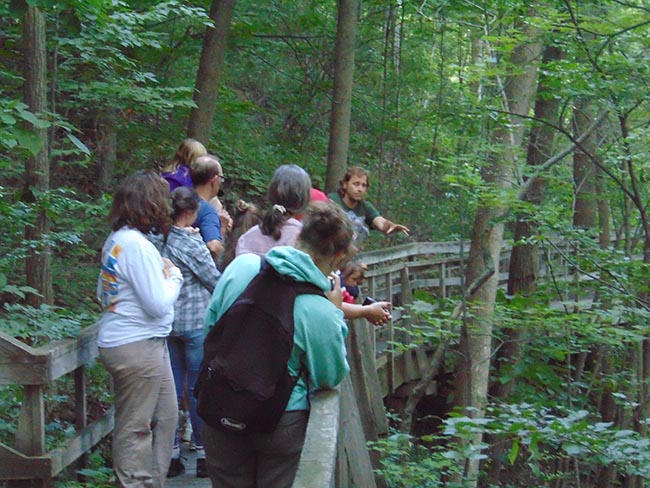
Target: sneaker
(201, 468)
(186, 434)
(176, 467)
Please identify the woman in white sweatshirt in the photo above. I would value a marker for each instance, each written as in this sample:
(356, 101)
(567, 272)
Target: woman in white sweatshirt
(137, 289)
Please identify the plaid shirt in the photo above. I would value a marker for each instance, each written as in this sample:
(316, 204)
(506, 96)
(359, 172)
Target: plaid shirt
(200, 275)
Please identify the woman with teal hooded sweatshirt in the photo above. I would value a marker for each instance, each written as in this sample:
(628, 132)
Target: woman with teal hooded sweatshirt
(254, 459)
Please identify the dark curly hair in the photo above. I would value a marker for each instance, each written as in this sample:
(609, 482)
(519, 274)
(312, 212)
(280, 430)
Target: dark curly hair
(141, 201)
(327, 231)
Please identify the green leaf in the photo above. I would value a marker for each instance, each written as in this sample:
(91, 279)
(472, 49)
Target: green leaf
(79, 144)
(35, 121)
(514, 452)
(7, 119)
(30, 141)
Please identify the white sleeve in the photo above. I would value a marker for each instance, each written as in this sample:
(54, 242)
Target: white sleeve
(144, 269)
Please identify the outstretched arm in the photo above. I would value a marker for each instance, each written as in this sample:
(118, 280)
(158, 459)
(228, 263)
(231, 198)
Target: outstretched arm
(376, 313)
(388, 227)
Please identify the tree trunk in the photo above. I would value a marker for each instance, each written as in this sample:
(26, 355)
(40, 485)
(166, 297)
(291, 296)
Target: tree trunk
(522, 275)
(208, 76)
(37, 170)
(106, 149)
(473, 369)
(584, 173)
(337, 152)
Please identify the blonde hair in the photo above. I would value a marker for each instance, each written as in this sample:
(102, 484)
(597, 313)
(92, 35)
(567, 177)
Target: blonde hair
(186, 154)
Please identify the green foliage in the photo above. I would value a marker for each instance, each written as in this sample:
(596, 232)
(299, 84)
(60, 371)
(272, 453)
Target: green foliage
(38, 326)
(13, 135)
(406, 463)
(541, 434)
(435, 323)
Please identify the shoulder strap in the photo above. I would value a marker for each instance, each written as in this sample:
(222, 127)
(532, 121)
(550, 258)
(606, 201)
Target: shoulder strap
(300, 287)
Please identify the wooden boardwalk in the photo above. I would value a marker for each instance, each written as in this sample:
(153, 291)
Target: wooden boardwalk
(188, 478)
(335, 452)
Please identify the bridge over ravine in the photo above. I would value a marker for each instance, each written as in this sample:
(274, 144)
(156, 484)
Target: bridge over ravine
(341, 420)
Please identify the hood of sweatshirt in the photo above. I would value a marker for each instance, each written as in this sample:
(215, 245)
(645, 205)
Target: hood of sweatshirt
(298, 265)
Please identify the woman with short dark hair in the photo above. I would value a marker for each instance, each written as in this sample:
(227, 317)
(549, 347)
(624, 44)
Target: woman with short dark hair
(187, 250)
(137, 288)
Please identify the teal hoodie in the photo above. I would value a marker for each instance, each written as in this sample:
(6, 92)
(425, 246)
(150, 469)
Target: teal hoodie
(320, 331)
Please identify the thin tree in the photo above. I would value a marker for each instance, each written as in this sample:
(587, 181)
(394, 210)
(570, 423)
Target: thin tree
(37, 168)
(522, 274)
(208, 76)
(472, 374)
(339, 141)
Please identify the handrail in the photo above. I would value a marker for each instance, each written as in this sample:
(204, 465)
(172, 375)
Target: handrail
(318, 458)
(393, 273)
(34, 368)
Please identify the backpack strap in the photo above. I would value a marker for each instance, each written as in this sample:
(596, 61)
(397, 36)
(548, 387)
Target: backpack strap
(300, 287)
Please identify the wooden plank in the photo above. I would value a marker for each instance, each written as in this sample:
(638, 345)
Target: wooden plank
(21, 364)
(354, 459)
(16, 466)
(363, 374)
(30, 434)
(412, 249)
(318, 458)
(82, 442)
(69, 354)
(81, 408)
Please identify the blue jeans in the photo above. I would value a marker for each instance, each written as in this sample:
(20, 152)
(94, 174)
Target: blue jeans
(186, 354)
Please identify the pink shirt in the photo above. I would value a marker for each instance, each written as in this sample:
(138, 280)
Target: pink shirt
(253, 241)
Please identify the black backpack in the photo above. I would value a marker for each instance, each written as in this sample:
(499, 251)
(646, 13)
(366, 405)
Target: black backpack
(244, 383)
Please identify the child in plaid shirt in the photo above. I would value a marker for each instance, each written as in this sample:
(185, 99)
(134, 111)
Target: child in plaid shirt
(186, 249)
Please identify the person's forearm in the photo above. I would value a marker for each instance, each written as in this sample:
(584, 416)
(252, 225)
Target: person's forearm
(216, 248)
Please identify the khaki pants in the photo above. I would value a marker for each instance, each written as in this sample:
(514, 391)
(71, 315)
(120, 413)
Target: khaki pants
(145, 411)
(256, 460)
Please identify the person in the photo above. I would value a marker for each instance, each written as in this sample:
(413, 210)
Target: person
(177, 172)
(271, 459)
(350, 196)
(207, 176)
(137, 289)
(188, 251)
(352, 276)
(316, 195)
(288, 195)
(247, 216)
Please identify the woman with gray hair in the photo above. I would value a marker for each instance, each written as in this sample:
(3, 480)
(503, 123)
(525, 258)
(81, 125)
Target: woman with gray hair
(288, 195)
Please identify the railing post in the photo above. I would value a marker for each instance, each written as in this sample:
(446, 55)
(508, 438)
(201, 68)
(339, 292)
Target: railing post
(30, 435)
(443, 285)
(81, 407)
(390, 366)
(373, 294)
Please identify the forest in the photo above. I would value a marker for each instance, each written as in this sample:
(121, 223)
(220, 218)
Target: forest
(489, 122)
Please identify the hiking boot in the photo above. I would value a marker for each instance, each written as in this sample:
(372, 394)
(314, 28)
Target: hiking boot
(176, 467)
(201, 468)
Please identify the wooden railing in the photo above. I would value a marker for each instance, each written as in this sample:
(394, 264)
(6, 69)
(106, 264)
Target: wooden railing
(340, 423)
(377, 370)
(35, 368)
